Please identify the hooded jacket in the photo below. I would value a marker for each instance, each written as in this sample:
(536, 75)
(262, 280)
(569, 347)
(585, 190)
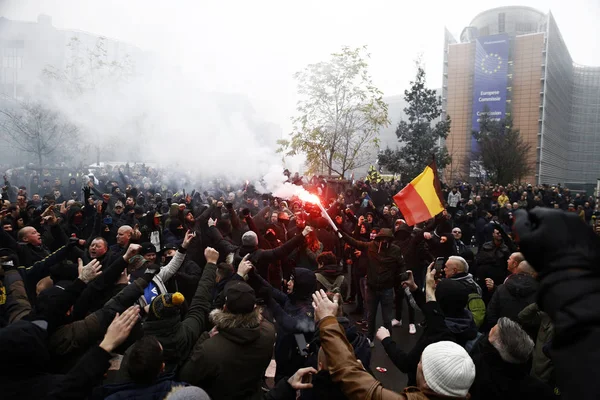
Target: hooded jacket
(83, 229)
(294, 314)
(178, 337)
(232, 363)
(512, 297)
(467, 280)
(331, 277)
(385, 259)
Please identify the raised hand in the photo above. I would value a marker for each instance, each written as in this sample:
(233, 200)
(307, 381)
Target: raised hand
(132, 250)
(410, 282)
(49, 217)
(89, 272)
(323, 306)
(211, 255)
(189, 235)
(245, 266)
(120, 328)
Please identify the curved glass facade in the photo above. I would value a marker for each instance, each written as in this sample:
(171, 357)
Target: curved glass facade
(553, 102)
(511, 20)
(556, 105)
(584, 132)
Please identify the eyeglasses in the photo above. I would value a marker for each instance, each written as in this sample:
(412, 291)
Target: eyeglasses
(456, 232)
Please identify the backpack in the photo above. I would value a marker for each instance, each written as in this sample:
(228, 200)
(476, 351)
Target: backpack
(335, 287)
(476, 305)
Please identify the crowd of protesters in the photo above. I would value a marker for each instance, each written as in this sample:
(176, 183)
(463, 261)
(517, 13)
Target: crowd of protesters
(123, 285)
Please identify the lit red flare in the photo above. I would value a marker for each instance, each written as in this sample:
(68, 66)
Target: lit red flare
(309, 198)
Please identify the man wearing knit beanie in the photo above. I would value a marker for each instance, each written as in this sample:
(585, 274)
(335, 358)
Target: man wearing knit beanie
(446, 369)
(165, 306)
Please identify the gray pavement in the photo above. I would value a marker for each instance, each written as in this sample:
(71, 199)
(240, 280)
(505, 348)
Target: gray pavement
(393, 379)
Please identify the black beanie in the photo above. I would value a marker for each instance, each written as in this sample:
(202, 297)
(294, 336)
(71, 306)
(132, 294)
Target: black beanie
(239, 297)
(452, 297)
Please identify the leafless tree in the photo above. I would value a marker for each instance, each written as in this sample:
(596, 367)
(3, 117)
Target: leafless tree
(35, 128)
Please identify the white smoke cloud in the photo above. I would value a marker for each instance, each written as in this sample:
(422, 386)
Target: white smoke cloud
(176, 125)
(274, 182)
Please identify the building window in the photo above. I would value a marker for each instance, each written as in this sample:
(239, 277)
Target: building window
(12, 62)
(501, 19)
(15, 44)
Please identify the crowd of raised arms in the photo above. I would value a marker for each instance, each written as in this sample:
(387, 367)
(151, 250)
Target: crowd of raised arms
(136, 283)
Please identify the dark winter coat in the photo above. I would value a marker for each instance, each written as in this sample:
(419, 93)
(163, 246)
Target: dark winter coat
(385, 260)
(82, 230)
(497, 379)
(459, 330)
(29, 254)
(533, 319)
(323, 388)
(231, 364)
(491, 263)
(185, 279)
(294, 314)
(158, 390)
(409, 242)
(258, 257)
(178, 337)
(358, 341)
(25, 359)
(509, 299)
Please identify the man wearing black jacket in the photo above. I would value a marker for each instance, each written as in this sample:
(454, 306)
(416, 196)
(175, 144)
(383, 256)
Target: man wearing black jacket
(385, 261)
(444, 308)
(23, 374)
(566, 254)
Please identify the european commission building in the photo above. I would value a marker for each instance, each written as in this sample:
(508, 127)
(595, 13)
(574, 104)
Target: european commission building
(512, 61)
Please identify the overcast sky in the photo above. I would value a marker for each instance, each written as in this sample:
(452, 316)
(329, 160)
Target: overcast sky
(254, 47)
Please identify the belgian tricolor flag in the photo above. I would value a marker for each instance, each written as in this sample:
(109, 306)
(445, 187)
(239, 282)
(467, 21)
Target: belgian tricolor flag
(422, 198)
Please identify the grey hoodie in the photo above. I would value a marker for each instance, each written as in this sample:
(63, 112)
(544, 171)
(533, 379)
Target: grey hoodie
(467, 280)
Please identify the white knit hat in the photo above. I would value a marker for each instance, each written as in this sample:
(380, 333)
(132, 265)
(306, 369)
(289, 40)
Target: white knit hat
(448, 369)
